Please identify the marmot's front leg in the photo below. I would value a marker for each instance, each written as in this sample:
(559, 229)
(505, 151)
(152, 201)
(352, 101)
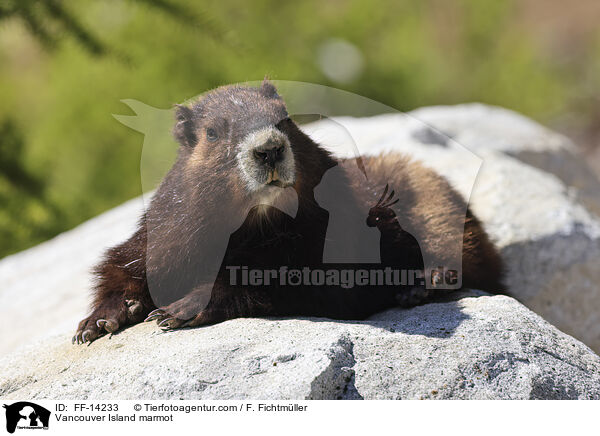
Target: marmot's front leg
(210, 304)
(121, 294)
(181, 312)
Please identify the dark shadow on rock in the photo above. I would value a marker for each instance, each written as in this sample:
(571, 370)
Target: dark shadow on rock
(431, 319)
(431, 136)
(337, 380)
(532, 257)
(547, 388)
(570, 169)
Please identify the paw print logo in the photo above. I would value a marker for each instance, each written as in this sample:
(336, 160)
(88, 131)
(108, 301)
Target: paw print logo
(294, 277)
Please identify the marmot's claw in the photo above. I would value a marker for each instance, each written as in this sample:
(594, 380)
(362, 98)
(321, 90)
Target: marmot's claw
(174, 323)
(170, 322)
(83, 336)
(165, 324)
(77, 338)
(165, 320)
(108, 317)
(156, 311)
(110, 325)
(155, 314)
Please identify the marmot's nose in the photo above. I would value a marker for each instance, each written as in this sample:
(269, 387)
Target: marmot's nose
(270, 154)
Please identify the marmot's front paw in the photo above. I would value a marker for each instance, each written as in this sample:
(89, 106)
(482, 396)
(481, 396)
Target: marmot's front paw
(109, 317)
(414, 296)
(169, 321)
(165, 320)
(182, 312)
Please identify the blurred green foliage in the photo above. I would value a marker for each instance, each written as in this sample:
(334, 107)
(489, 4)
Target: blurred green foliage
(65, 66)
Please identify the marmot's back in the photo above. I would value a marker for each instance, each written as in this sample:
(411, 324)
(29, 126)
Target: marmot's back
(434, 213)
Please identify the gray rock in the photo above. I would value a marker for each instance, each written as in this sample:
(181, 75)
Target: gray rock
(479, 127)
(46, 290)
(473, 348)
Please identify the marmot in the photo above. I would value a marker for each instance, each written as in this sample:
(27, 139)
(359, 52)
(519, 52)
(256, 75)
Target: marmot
(223, 211)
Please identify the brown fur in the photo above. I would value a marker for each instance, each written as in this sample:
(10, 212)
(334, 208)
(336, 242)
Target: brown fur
(176, 259)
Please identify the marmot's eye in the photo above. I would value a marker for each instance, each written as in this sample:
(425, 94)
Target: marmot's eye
(211, 134)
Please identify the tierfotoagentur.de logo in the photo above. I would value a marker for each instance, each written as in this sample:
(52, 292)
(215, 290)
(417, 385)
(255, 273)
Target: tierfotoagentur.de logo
(346, 278)
(26, 415)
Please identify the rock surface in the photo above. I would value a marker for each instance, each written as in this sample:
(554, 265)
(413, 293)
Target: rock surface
(473, 348)
(483, 128)
(45, 290)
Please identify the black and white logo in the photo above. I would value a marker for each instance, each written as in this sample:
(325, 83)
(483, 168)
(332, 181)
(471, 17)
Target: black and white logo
(26, 415)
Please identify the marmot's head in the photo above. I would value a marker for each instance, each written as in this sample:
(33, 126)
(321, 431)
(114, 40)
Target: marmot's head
(237, 135)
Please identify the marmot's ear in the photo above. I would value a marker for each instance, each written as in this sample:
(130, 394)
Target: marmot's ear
(268, 89)
(184, 130)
